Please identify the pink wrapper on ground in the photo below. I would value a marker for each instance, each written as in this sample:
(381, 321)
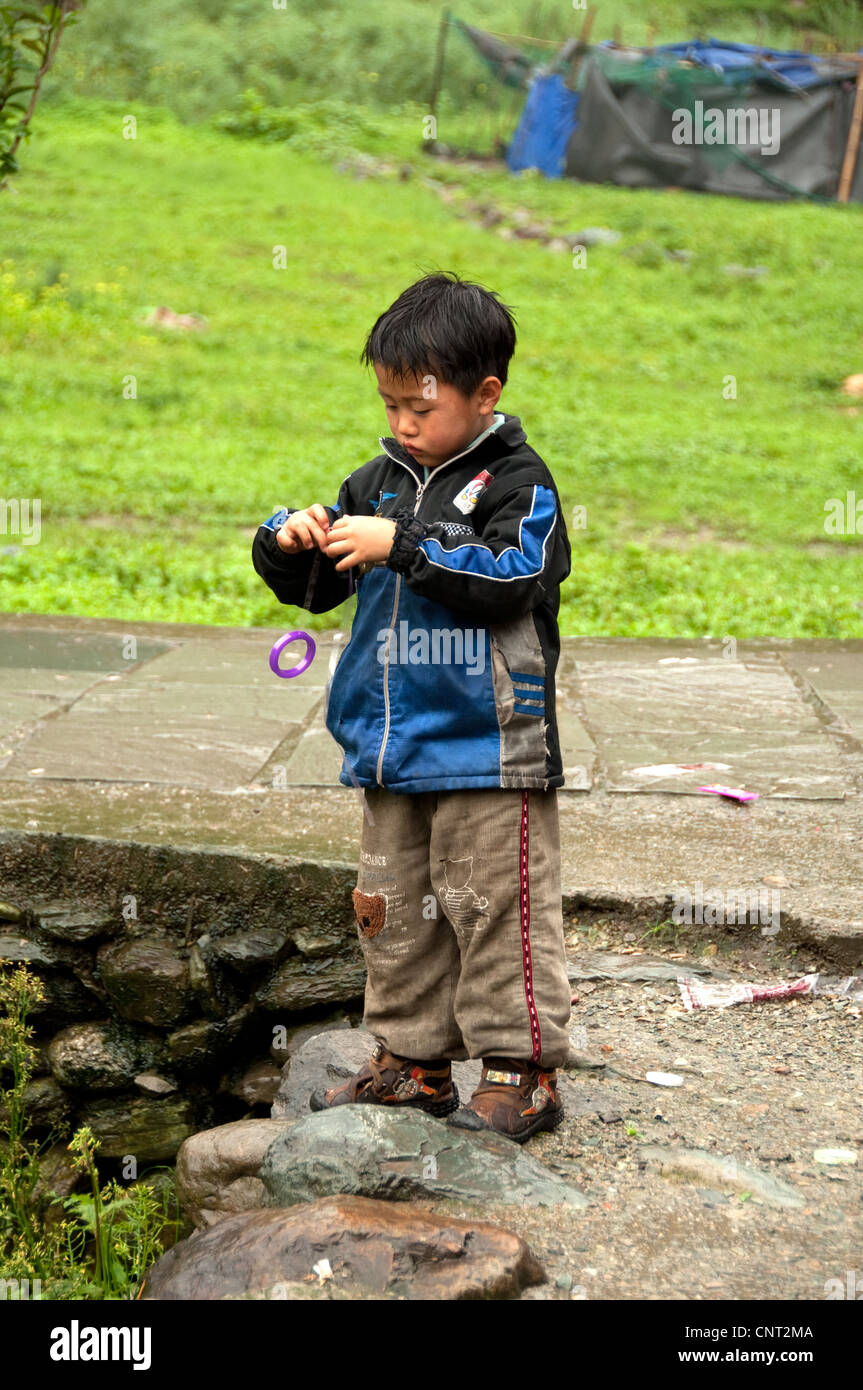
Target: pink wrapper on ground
(735, 793)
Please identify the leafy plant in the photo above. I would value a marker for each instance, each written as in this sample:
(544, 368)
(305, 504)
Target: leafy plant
(329, 128)
(125, 1224)
(110, 1235)
(666, 930)
(38, 31)
(19, 1172)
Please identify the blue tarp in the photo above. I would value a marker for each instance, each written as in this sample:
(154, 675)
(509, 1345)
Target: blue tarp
(547, 121)
(803, 69)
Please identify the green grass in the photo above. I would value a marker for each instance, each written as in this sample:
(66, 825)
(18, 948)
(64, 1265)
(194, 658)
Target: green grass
(704, 515)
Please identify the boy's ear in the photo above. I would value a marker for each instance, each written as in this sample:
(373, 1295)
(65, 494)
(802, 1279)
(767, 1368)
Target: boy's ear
(489, 394)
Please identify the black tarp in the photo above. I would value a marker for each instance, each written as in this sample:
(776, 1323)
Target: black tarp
(624, 136)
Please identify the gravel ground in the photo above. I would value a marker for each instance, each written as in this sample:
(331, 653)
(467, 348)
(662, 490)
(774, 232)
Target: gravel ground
(764, 1084)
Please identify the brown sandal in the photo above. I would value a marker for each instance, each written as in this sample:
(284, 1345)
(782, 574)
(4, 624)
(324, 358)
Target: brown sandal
(513, 1098)
(396, 1081)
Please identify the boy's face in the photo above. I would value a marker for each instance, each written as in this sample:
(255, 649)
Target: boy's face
(432, 420)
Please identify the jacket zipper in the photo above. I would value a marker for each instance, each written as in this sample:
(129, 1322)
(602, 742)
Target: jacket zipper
(420, 490)
(421, 487)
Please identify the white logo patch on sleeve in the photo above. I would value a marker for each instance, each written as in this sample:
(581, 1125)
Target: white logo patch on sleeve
(470, 495)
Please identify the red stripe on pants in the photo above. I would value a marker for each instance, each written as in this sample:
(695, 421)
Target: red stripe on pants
(524, 896)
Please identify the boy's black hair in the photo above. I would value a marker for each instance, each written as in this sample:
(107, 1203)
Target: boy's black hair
(450, 328)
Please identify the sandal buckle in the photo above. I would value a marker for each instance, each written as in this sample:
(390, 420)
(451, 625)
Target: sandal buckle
(406, 1088)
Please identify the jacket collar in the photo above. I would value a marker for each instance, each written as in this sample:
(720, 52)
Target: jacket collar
(506, 428)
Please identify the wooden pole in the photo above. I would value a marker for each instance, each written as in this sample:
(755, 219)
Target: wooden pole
(849, 163)
(581, 49)
(437, 78)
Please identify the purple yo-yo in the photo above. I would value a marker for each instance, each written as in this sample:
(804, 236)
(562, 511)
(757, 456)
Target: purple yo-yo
(279, 647)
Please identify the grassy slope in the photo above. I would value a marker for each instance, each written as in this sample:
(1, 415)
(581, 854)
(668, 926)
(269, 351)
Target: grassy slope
(149, 505)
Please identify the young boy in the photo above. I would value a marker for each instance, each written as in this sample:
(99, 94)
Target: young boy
(443, 704)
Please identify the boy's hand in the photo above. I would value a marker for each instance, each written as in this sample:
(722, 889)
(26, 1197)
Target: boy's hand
(358, 539)
(304, 529)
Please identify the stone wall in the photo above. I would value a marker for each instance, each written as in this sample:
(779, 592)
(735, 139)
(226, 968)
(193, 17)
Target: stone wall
(174, 979)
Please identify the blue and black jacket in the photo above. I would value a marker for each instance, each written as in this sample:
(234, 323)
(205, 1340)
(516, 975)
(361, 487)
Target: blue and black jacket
(448, 678)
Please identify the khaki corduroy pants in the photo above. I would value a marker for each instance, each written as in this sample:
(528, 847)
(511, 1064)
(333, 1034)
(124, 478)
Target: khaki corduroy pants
(459, 916)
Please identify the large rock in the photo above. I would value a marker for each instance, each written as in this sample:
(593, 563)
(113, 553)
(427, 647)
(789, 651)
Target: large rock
(58, 1174)
(305, 983)
(375, 1250)
(376, 1152)
(248, 950)
(287, 1041)
(719, 1171)
(326, 1059)
(140, 1127)
(65, 922)
(203, 1045)
(318, 943)
(215, 993)
(67, 996)
(67, 1000)
(256, 1084)
(217, 1169)
(21, 950)
(102, 1056)
(147, 982)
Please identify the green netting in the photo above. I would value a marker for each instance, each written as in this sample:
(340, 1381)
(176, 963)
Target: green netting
(508, 65)
(677, 84)
(485, 80)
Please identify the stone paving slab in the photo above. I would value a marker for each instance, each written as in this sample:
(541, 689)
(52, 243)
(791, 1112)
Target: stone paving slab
(313, 759)
(710, 694)
(70, 646)
(240, 663)
(131, 700)
(18, 711)
(837, 680)
(193, 751)
(774, 763)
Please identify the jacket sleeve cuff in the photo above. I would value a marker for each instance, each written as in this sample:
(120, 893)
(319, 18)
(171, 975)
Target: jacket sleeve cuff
(409, 532)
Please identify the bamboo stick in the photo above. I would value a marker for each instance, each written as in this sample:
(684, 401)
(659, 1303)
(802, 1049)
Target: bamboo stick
(583, 43)
(849, 163)
(437, 78)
